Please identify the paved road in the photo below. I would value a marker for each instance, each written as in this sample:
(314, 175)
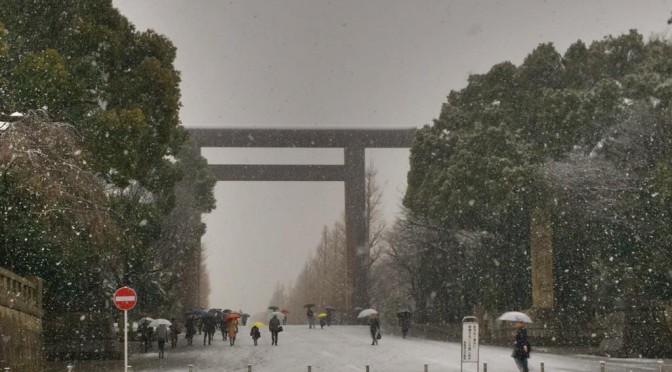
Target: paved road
(347, 348)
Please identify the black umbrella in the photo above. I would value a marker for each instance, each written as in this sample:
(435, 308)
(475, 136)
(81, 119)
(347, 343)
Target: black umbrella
(215, 313)
(274, 308)
(404, 313)
(309, 305)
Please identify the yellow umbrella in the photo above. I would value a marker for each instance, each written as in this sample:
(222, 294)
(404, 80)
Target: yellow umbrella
(259, 324)
(322, 315)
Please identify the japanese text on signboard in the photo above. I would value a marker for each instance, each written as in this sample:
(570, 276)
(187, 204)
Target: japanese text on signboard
(470, 342)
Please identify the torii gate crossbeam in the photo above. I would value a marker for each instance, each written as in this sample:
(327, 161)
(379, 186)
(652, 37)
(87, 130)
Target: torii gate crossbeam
(354, 143)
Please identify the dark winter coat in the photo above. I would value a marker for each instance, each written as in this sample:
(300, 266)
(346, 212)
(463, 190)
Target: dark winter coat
(274, 324)
(162, 333)
(405, 324)
(520, 341)
(209, 324)
(189, 327)
(374, 327)
(254, 332)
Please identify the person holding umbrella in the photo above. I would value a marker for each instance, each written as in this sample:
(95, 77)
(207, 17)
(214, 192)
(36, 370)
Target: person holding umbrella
(323, 320)
(374, 327)
(374, 324)
(209, 328)
(330, 314)
(521, 349)
(275, 327)
(254, 332)
(404, 321)
(161, 337)
(521, 346)
(233, 329)
(310, 315)
(190, 329)
(224, 323)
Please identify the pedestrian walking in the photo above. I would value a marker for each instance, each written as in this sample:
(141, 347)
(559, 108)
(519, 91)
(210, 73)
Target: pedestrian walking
(161, 337)
(330, 316)
(275, 328)
(404, 321)
(174, 332)
(405, 325)
(190, 329)
(311, 318)
(521, 347)
(225, 328)
(254, 332)
(233, 330)
(144, 338)
(209, 324)
(374, 328)
(323, 322)
(199, 324)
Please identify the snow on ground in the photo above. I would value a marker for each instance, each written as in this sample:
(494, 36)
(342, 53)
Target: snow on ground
(348, 348)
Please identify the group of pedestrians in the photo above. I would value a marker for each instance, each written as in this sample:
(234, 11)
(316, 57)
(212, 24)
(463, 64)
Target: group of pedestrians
(208, 326)
(229, 328)
(325, 318)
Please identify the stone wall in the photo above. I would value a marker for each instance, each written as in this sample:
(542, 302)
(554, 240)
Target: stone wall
(81, 336)
(20, 322)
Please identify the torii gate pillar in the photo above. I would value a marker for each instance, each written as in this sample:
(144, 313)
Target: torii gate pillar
(356, 229)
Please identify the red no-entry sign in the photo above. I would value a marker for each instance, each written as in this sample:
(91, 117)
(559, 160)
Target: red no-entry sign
(125, 298)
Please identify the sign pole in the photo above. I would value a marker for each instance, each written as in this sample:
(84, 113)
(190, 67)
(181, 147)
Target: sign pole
(125, 299)
(125, 340)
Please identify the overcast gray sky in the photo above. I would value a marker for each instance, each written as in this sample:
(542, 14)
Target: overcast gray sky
(354, 63)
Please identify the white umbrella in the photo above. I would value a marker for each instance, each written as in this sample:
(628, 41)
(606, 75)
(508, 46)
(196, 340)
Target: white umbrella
(366, 312)
(515, 316)
(278, 314)
(157, 322)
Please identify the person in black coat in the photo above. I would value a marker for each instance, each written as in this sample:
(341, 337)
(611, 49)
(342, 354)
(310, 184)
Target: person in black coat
(190, 329)
(405, 325)
(255, 333)
(521, 348)
(374, 327)
(209, 328)
(311, 318)
(274, 327)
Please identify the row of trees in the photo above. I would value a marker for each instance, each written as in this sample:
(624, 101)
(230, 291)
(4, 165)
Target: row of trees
(323, 278)
(583, 137)
(100, 185)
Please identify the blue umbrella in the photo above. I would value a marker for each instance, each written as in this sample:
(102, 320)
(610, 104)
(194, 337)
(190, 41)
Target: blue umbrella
(199, 311)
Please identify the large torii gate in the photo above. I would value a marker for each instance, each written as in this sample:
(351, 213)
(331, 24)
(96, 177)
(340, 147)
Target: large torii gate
(354, 143)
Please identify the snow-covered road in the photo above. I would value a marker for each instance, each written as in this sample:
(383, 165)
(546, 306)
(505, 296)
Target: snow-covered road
(348, 348)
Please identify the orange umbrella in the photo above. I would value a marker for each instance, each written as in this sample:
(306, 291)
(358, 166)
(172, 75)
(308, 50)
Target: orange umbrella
(232, 316)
